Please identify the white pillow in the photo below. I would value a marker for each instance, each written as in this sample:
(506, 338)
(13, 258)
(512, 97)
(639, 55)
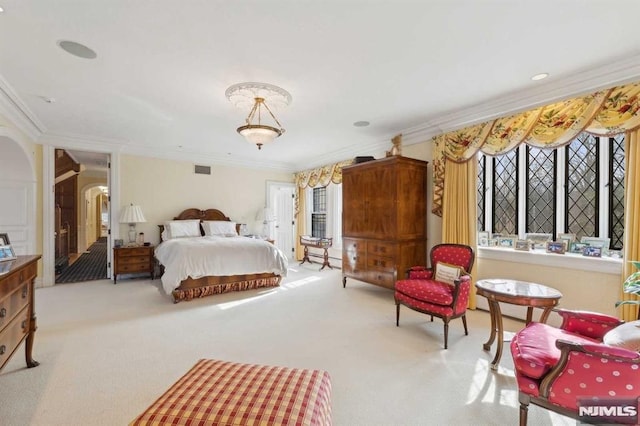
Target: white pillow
(219, 228)
(183, 228)
(447, 273)
(625, 336)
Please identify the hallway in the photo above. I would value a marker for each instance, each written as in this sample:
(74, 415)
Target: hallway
(91, 265)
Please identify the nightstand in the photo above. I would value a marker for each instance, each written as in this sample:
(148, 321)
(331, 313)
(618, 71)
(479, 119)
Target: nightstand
(132, 260)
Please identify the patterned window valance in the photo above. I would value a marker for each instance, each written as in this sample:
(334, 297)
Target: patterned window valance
(321, 176)
(604, 113)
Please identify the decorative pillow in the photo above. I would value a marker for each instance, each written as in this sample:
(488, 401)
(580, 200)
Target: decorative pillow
(219, 228)
(183, 228)
(447, 273)
(626, 336)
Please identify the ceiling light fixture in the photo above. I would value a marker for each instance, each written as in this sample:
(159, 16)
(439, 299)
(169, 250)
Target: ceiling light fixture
(540, 76)
(361, 123)
(77, 49)
(256, 96)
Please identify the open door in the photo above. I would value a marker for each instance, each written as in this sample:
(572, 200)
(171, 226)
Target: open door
(281, 201)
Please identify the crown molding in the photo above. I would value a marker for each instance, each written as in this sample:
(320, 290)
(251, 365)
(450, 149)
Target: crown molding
(587, 80)
(12, 107)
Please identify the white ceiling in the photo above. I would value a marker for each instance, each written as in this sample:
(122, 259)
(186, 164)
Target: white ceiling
(413, 67)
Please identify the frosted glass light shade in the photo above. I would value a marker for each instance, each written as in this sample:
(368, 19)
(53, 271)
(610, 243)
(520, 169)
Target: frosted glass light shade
(259, 134)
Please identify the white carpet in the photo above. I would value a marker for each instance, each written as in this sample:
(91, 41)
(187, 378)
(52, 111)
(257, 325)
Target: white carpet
(108, 351)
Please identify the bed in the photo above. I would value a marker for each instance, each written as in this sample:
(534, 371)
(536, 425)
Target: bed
(201, 254)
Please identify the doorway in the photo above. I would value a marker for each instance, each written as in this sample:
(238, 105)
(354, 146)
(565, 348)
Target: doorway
(280, 198)
(81, 216)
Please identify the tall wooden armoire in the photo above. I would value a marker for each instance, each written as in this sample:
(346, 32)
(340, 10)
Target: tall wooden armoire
(384, 219)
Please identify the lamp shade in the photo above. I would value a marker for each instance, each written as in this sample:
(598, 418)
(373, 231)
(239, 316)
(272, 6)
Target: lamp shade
(265, 215)
(132, 214)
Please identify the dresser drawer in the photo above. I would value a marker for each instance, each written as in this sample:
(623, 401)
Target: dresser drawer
(381, 248)
(15, 279)
(13, 334)
(11, 304)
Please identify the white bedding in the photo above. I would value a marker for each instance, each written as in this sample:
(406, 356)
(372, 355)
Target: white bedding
(198, 257)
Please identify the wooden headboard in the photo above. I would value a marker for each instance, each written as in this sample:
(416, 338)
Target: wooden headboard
(209, 214)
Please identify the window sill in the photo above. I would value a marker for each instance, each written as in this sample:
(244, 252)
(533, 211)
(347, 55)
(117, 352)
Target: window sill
(606, 265)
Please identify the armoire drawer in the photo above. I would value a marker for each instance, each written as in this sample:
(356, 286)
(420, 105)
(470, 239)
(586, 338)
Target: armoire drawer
(379, 263)
(381, 248)
(384, 279)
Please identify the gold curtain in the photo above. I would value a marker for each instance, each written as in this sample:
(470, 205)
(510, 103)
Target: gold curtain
(322, 176)
(631, 217)
(606, 112)
(458, 222)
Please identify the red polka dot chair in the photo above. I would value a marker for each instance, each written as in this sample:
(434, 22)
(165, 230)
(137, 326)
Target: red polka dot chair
(439, 291)
(587, 357)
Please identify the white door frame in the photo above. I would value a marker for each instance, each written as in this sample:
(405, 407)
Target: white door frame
(48, 200)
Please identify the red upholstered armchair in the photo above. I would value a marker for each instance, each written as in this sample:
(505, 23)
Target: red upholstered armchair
(439, 291)
(555, 367)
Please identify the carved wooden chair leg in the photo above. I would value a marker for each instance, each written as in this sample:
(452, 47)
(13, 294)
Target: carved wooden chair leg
(446, 333)
(431, 318)
(524, 408)
(464, 322)
(397, 314)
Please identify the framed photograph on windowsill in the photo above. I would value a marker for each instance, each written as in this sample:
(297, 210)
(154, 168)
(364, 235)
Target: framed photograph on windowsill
(592, 251)
(7, 253)
(556, 247)
(539, 240)
(506, 242)
(596, 242)
(522, 245)
(483, 239)
(576, 247)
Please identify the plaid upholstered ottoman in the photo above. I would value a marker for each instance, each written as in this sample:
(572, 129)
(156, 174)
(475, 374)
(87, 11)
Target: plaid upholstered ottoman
(227, 393)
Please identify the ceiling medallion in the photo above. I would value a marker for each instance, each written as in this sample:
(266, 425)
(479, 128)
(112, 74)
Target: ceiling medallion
(255, 97)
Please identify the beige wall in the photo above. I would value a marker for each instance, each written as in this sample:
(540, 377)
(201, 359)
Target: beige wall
(163, 188)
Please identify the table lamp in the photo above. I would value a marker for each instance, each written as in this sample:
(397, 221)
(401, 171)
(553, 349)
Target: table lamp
(132, 215)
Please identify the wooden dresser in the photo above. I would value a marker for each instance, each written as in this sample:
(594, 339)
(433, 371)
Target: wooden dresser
(384, 219)
(17, 313)
(133, 260)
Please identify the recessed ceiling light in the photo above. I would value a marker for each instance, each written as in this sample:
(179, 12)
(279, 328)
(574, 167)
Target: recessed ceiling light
(540, 76)
(361, 123)
(77, 49)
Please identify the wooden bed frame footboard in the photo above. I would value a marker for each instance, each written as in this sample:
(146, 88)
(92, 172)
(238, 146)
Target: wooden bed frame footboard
(205, 286)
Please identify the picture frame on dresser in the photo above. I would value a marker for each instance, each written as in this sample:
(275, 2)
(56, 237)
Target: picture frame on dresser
(4, 239)
(7, 253)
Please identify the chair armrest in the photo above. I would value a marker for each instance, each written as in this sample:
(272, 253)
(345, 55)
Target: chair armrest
(419, 272)
(600, 360)
(585, 323)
